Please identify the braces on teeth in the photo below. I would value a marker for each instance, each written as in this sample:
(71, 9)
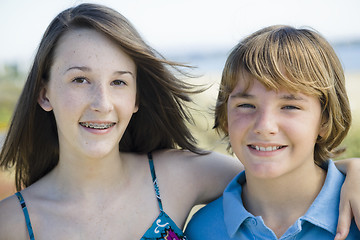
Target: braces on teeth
(97, 125)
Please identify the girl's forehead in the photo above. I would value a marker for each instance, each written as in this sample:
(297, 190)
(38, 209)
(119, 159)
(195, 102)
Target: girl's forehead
(90, 48)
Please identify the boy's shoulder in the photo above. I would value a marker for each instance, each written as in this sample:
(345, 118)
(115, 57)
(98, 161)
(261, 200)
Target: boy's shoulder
(12, 221)
(354, 232)
(214, 210)
(208, 221)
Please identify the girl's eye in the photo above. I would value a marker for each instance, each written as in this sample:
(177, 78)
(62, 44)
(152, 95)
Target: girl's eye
(80, 80)
(118, 83)
(245, 105)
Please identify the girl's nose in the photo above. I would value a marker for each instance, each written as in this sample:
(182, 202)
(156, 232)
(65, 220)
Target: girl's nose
(101, 100)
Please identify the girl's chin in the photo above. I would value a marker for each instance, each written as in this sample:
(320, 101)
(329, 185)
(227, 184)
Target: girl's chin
(98, 151)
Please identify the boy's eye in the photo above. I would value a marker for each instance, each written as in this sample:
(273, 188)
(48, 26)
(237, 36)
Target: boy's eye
(118, 83)
(245, 105)
(80, 80)
(290, 107)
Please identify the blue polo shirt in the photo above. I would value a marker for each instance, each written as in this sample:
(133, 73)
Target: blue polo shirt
(226, 217)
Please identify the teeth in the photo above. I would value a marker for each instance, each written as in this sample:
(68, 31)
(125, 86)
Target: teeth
(266, 149)
(97, 125)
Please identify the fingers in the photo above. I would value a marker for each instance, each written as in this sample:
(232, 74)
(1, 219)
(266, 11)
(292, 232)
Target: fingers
(355, 206)
(344, 221)
(349, 200)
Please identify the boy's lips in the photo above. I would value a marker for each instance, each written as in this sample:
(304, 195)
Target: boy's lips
(97, 125)
(268, 148)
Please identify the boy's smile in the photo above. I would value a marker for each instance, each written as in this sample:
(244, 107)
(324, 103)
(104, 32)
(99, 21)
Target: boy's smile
(272, 132)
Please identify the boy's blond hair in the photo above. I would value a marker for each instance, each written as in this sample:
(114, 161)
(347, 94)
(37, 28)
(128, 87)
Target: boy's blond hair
(298, 60)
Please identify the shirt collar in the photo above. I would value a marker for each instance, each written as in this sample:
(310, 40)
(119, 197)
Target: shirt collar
(322, 215)
(234, 212)
(326, 215)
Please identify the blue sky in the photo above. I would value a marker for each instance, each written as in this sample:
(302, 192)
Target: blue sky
(182, 26)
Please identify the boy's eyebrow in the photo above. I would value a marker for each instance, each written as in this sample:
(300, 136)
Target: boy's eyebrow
(87, 69)
(241, 95)
(291, 97)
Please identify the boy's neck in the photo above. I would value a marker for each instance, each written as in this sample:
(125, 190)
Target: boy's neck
(281, 201)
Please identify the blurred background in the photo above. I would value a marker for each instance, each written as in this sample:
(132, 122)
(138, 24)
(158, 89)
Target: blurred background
(197, 32)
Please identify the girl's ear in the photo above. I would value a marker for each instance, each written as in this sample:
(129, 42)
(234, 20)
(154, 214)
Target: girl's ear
(136, 108)
(43, 100)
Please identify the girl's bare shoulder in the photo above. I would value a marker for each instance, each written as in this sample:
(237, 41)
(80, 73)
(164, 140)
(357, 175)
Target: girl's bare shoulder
(12, 220)
(211, 163)
(207, 174)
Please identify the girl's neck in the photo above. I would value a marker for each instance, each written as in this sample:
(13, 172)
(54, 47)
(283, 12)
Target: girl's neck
(79, 176)
(281, 201)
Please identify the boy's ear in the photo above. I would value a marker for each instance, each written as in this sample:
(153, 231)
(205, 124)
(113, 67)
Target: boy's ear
(322, 132)
(323, 127)
(43, 100)
(226, 127)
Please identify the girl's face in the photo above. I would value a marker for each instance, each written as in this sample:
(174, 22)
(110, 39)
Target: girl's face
(92, 92)
(272, 133)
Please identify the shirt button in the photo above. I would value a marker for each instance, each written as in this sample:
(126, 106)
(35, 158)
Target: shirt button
(253, 221)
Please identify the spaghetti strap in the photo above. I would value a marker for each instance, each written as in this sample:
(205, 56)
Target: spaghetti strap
(26, 214)
(154, 179)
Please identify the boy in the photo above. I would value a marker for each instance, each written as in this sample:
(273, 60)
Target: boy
(283, 106)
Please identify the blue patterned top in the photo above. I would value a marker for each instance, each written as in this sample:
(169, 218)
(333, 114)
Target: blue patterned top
(163, 228)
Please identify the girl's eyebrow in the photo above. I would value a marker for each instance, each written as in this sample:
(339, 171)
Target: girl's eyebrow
(87, 69)
(124, 72)
(82, 68)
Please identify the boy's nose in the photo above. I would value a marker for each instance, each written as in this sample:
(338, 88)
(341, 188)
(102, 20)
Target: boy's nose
(265, 123)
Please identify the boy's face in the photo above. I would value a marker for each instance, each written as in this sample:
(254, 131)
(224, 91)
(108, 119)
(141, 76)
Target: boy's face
(272, 133)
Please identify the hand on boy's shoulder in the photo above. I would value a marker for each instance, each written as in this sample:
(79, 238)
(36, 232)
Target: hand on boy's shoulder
(207, 222)
(208, 174)
(12, 221)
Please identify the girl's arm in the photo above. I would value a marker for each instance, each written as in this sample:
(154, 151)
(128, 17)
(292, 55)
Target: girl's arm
(350, 196)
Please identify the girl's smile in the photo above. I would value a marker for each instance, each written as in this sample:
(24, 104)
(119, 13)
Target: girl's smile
(99, 126)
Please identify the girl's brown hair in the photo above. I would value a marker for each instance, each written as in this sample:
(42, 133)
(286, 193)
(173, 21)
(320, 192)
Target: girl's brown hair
(32, 144)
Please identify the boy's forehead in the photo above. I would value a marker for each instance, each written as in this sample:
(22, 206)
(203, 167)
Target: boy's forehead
(244, 86)
(243, 82)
